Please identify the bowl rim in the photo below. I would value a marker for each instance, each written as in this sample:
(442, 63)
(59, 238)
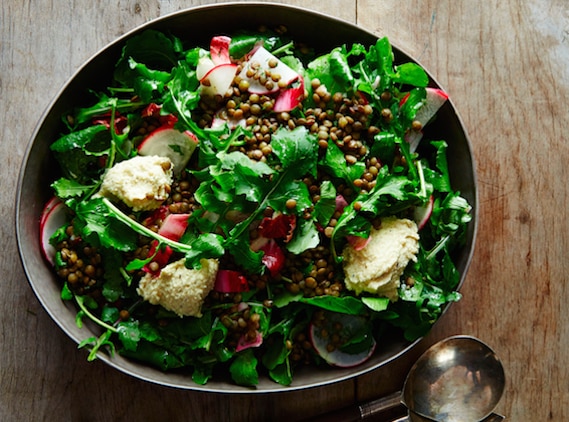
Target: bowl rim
(277, 388)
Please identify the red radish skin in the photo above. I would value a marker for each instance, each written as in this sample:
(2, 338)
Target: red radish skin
(219, 50)
(290, 98)
(172, 228)
(230, 281)
(166, 141)
(52, 218)
(280, 226)
(274, 257)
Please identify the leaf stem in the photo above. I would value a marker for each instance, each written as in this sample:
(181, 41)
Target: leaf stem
(81, 303)
(136, 226)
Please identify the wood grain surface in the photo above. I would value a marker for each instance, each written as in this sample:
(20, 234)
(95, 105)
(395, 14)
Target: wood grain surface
(505, 64)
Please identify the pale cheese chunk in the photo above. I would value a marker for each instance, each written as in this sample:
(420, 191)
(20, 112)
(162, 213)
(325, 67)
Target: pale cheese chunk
(142, 182)
(377, 268)
(179, 289)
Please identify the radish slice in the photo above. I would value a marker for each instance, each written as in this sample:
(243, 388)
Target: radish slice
(290, 98)
(229, 281)
(219, 49)
(220, 118)
(52, 218)
(262, 61)
(280, 226)
(422, 214)
(205, 64)
(244, 342)
(433, 102)
(358, 242)
(274, 257)
(413, 137)
(169, 142)
(173, 227)
(345, 326)
(218, 80)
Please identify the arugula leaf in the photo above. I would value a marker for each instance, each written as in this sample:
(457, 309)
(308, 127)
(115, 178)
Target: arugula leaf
(244, 368)
(98, 225)
(78, 153)
(334, 162)
(325, 207)
(345, 305)
(67, 188)
(153, 48)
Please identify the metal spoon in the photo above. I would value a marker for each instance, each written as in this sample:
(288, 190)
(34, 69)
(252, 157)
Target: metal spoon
(457, 379)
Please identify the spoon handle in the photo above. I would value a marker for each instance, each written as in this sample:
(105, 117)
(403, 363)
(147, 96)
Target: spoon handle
(380, 405)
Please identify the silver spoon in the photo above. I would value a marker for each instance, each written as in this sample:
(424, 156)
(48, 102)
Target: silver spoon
(457, 379)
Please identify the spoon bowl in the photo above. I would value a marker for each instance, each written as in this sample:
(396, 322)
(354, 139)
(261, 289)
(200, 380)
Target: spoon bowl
(458, 379)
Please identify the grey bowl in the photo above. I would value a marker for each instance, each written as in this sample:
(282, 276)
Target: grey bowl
(198, 25)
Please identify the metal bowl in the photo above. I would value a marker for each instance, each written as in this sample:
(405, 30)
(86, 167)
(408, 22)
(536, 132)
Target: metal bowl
(198, 25)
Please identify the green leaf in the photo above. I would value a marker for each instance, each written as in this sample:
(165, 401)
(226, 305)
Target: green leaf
(411, 74)
(99, 225)
(244, 368)
(129, 334)
(335, 164)
(376, 304)
(296, 149)
(325, 207)
(306, 237)
(153, 48)
(67, 188)
(345, 305)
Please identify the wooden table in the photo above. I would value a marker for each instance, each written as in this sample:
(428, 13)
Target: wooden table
(505, 64)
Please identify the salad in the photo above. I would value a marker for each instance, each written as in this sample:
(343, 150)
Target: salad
(252, 207)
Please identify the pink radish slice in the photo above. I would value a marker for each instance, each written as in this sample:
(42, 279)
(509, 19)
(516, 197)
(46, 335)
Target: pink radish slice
(218, 80)
(230, 281)
(433, 102)
(205, 64)
(358, 242)
(290, 98)
(169, 142)
(174, 226)
(263, 61)
(349, 325)
(52, 218)
(220, 118)
(274, 257)
(422, 214)
(244, 342)
(219, 49)
(413, 137)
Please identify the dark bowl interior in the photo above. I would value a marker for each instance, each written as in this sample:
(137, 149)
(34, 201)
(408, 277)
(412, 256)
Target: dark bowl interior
(195, 27)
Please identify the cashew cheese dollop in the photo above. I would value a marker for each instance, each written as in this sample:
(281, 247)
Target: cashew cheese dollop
(377, 267)
(142, 182)
(179, 289)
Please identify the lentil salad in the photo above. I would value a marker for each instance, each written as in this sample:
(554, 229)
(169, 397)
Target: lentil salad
(273, 220)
